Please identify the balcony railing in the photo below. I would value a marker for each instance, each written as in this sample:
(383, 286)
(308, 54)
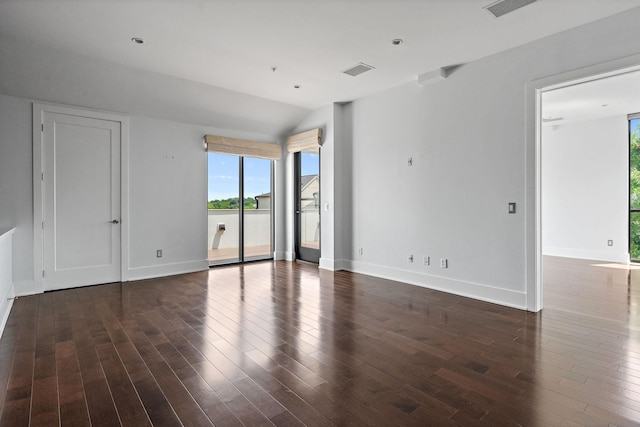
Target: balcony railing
(224, 245)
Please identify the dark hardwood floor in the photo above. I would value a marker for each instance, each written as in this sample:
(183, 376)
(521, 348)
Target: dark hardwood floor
(286, 344)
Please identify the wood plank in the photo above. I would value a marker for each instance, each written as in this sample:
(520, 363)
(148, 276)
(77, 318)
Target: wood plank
(279, 343)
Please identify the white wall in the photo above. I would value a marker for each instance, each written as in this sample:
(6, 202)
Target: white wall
(343, 184)
(585, 189)
(6, 276)
(468, 137)
(168, 192)
(452, 203)
(281, 205)
(16, 182)
(168, 118)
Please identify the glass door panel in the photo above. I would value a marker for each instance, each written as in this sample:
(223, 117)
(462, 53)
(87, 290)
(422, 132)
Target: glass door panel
(634, 188)
(257, 208)
(223, 209)
(308, 206)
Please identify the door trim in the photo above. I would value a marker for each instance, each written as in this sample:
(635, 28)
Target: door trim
(533, 162)
(301, 253)
(39, 109)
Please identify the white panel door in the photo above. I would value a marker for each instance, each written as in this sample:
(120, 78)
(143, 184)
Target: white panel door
(81, 230)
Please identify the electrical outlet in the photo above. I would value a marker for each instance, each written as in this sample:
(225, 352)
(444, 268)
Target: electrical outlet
(159, 253)
(426, 260)
(410, 258)
(360, 251)
(609, 242)
(444, 263)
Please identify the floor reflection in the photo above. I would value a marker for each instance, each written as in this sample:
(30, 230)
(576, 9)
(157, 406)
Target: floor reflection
(287, 344)
(360, 350)
(367, 351)
(590, 358)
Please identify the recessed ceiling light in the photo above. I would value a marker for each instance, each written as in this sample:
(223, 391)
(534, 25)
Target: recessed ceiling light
(397, 42)
(137, 40)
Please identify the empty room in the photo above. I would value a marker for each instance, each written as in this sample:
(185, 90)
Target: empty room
(417, 213)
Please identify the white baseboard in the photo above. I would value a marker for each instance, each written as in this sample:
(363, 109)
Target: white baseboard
(611, 256)
(340, 264)
(23, 288)
(5, 308)
(326, 264)
(150, 272)
(332, 264)
(477, 291)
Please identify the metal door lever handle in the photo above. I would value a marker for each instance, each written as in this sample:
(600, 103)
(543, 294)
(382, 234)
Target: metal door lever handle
(115, 221)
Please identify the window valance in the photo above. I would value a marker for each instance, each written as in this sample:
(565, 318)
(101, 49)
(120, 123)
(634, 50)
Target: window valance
(305, 141)
(242, 147)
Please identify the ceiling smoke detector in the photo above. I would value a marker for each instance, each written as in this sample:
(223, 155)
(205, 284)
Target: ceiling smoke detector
(358, 69)
(502, 7)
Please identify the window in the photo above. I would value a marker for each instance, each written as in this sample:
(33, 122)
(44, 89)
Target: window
(634, 186)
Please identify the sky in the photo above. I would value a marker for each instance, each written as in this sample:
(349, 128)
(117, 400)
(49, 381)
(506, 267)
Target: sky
(224, 175)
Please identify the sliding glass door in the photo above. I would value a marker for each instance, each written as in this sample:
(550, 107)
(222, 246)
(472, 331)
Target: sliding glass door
(224, 209)
(239, 209)
(257, 209)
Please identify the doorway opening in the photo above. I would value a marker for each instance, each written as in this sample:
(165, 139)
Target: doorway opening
(582, 149)
(307, 205)
(240, 219)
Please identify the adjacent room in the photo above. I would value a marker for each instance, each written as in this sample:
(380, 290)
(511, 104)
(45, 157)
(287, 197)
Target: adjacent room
(417, 213)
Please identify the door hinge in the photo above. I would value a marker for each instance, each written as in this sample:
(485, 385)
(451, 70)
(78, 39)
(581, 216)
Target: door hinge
(43, 225)
(42, 176)
(41, 127)
(43, 274)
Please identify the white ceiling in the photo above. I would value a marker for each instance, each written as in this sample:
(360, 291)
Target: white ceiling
(605, 97)
(234, 44)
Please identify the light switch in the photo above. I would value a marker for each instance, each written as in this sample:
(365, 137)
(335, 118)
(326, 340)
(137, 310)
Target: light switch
(512, 207)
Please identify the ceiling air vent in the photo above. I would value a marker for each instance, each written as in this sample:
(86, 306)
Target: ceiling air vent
(503, 7)
(358, 69)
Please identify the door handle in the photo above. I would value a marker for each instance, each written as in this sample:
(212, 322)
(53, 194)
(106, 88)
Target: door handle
(115, 221)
